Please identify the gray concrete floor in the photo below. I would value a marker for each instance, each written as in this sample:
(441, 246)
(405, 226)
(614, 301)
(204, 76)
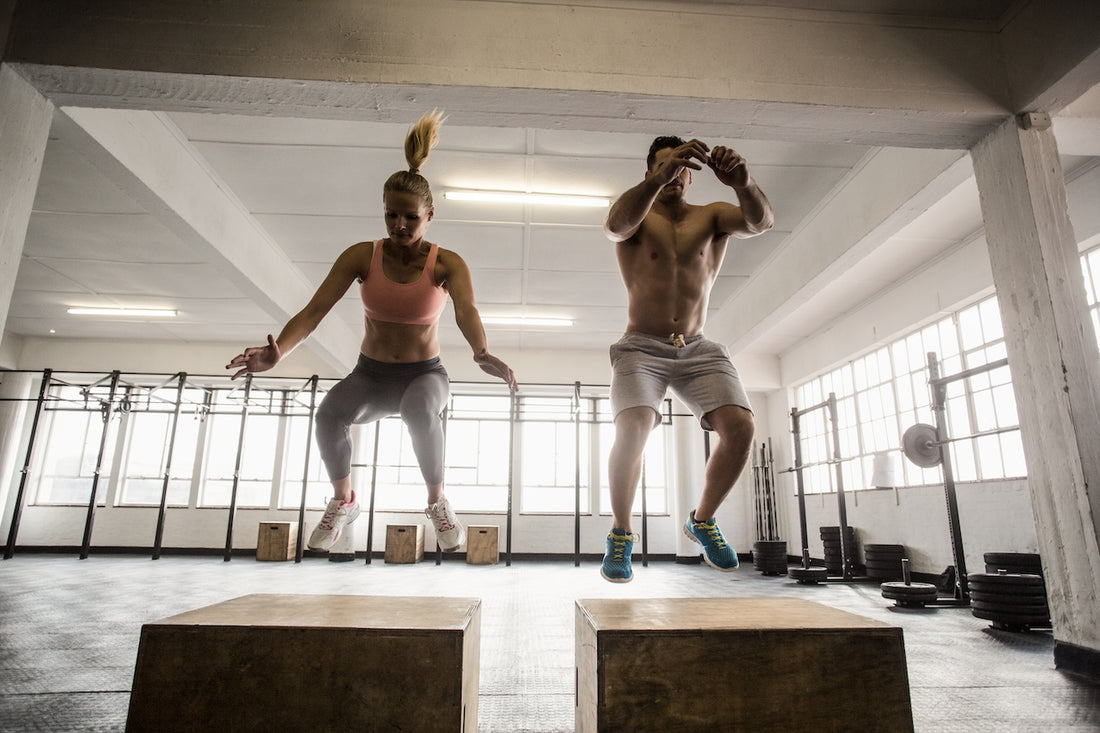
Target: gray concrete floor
(70, 629)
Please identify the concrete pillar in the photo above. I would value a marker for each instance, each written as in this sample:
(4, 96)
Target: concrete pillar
(15, 388)
(1055, 367)
(689, 472)
(24, 125)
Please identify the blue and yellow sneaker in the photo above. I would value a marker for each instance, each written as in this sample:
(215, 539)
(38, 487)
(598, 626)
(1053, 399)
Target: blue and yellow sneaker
(616, 561)
(716, 552)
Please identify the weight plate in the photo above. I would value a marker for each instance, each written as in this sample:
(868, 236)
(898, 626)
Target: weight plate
(1017, 580)
(1013, 558)
(1007, 595)
(918, 443)
(808, 575)
(1034, 609)
(1026, 619)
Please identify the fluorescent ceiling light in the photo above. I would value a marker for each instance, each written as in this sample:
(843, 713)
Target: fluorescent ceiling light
(526, 321)
(519, 197)
(138, 312)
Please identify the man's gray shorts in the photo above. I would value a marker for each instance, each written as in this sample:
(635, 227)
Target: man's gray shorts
(700, 373)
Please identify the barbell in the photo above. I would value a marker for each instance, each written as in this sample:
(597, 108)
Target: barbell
(919, 443)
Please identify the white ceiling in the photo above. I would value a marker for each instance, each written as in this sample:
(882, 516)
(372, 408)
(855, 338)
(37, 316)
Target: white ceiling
(311, 187)
(315, 188)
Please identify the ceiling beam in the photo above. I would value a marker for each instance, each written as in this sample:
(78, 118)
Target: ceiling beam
(734, 70)
(147, 157)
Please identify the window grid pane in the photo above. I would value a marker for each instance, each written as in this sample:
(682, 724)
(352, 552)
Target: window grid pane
(882, 393)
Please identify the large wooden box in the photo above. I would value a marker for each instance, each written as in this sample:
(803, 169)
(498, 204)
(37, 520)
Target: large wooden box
(277, 541)
(737, 664)
(482, 544)
(316, 663)
(404, 543)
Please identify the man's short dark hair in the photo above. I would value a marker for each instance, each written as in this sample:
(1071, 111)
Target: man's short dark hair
(665, 141)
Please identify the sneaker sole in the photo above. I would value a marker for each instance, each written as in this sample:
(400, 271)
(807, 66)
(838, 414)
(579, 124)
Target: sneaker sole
(616, 580)
(693, 538)
(455, 546)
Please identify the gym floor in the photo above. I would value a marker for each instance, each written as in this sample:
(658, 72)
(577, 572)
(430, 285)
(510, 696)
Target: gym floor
(70, 631)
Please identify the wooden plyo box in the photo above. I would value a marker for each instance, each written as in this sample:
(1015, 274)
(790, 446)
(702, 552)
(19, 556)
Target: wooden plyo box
(305, 662)
(404, 543)
(737, 664)
(277, 541)
(483, 544)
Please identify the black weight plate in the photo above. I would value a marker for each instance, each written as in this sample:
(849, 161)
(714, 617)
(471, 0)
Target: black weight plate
(808, 575)
(1029, 559)
(1019, 619)
(1037, 609)
(913, 590)
(1013, 569)
(1019, 580)
(883, 563)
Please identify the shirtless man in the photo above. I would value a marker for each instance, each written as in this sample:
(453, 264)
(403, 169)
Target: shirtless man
(669, 254)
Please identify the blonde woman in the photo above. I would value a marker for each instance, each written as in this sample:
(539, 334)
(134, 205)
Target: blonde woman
(404, 281)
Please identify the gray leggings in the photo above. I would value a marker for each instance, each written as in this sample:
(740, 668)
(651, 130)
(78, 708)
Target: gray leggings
(418, 391)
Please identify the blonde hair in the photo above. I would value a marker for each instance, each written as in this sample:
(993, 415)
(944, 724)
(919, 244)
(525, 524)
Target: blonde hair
(418, 145)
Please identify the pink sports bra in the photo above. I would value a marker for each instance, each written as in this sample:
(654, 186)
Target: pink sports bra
(417, 303)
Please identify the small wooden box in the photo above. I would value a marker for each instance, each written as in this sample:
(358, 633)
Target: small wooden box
(766, 665)
(404, 543)
(482, 544)
(277, 541)
(311, 662)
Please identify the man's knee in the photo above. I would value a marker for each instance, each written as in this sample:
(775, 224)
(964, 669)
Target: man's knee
(635, 424)
(732, 422)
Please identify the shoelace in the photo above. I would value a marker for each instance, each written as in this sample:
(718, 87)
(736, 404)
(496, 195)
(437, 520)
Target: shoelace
(618, 544)
(715, 533)
(328, 520)
(439, 517)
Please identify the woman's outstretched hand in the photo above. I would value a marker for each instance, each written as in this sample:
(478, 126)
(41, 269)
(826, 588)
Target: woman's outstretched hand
(492, 365)
(257, 358)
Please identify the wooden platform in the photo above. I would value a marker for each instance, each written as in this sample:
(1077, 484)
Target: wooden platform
(737, 664)
(311, 662)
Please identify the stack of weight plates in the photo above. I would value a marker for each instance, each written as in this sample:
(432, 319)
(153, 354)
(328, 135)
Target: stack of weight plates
(1012, 601)
(830, 538)
(770, 556)
(884, 561)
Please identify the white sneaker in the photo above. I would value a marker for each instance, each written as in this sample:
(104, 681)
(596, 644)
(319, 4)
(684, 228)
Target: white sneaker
(337, 515)
(449, 532)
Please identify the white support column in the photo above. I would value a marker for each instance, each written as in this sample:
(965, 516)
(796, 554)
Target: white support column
(688, 474)
(1055, 365)
(14, 388)
(24, 126)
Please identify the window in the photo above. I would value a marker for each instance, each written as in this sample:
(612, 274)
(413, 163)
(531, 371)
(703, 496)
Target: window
(257, 449)
(653, 467)
(76, 420)
(881, 394)
(477, 451)
(149, 426)
(555, 436)
(1090, 265)
(556, 453)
